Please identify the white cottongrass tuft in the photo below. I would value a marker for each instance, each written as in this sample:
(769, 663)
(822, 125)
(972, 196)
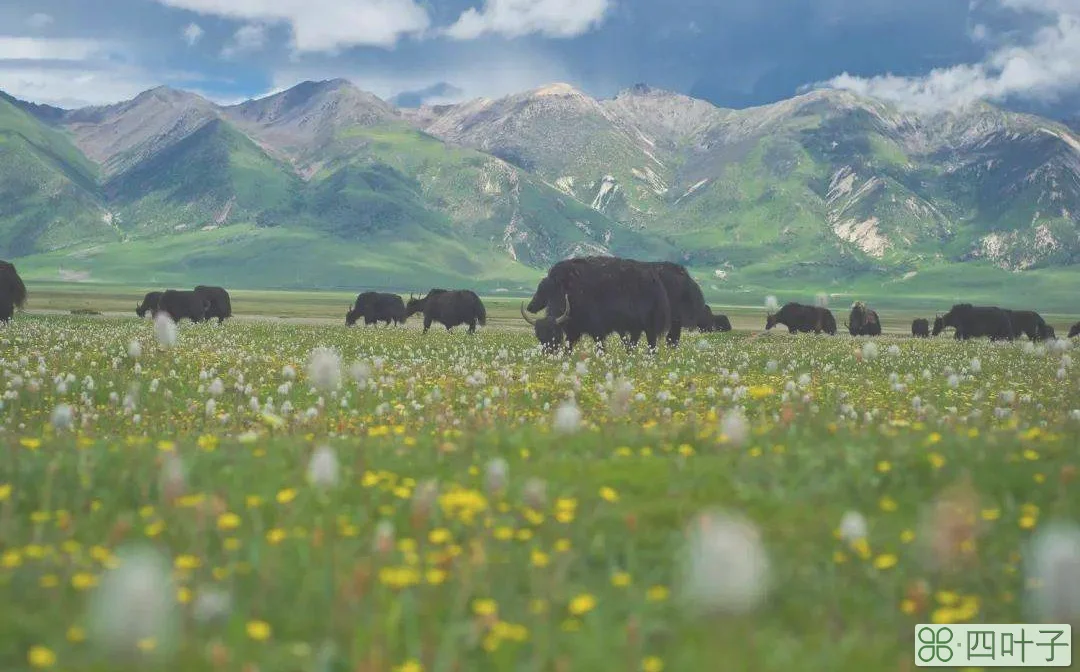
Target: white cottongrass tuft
(211, 604)
(1052, 566)
(853, 527)
(735, 426)
(771, 304)
(134, 349)
(976, 365)
(496, 475)
(725, 565)
(173, 479)
(620, 397)
(360, 372)
(869, 350)
(322, 470)
(165, 329)
(62, 417)
(324, 369)
(535, 493)
(953, 381)
(135, 601)
(567, 417)
(288, 372)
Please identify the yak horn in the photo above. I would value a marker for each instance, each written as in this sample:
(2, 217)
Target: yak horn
(526, 315)
(561, 320)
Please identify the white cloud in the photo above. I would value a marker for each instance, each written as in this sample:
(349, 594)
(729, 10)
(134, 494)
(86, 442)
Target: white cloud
(192, 33)
(249, 37)
(39, 20)
(516, 18)
(324, 25)
(1041, 67)
(74, 87)
(44, 49)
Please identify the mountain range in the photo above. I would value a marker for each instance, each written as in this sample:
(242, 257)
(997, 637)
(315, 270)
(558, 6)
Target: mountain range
(326, 185)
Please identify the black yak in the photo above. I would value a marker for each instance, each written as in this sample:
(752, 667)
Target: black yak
(684, 297)
(1074, 330)
(375, 307)
(449, 308)
(709, 322)
(920, 327)
(184, 305)
(12, 291)
(799, 317)
(609, 295)
(976, 321)
(862, 321)
(1029, 323)
(149, 304)
(220, 303)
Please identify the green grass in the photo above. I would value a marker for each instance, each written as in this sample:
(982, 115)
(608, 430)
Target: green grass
(584, 575)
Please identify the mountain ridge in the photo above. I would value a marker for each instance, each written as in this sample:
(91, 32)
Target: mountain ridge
(827, 181)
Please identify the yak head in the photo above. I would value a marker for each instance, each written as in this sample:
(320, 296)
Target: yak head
(1046, 332)
(355, 311)
(1074, 330)
(140, 309)
(939, 325)
(706, 320)
(415, 304)
(771, 320)
(350, 316)
(548, 329)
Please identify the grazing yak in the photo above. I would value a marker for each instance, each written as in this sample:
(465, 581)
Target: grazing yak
(920, 327)
(799, 317)
(376, 307)
(184, 305)
(862, 321)
(12, 290)
(685, 298)
(220, 303)
(1029, 323)
(449, 308)
(149, 304)
(609, 295)
(976, 321)
(1074, 330)
(709, 322)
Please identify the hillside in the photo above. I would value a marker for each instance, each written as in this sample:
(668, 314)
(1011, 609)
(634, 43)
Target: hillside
(826, 189)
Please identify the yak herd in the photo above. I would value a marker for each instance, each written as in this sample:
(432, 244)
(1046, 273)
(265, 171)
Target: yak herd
(596, 297)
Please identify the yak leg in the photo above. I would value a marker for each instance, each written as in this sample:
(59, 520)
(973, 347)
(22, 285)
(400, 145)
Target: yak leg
(675, 333)
(427, 323)
(472, 327)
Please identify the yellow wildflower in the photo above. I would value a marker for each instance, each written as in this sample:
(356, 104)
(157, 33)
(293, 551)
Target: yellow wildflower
(258, 630)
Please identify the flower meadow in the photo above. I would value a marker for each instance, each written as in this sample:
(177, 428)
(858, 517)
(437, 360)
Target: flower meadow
(261, 497)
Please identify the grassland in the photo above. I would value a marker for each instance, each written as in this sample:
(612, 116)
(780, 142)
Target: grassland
(478, 506)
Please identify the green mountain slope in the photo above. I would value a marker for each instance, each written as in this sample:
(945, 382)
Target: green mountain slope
(212, 176)
(327, 185)
(47, 188)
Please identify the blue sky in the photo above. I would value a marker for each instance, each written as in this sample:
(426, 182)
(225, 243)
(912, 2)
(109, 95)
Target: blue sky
(919, 53)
